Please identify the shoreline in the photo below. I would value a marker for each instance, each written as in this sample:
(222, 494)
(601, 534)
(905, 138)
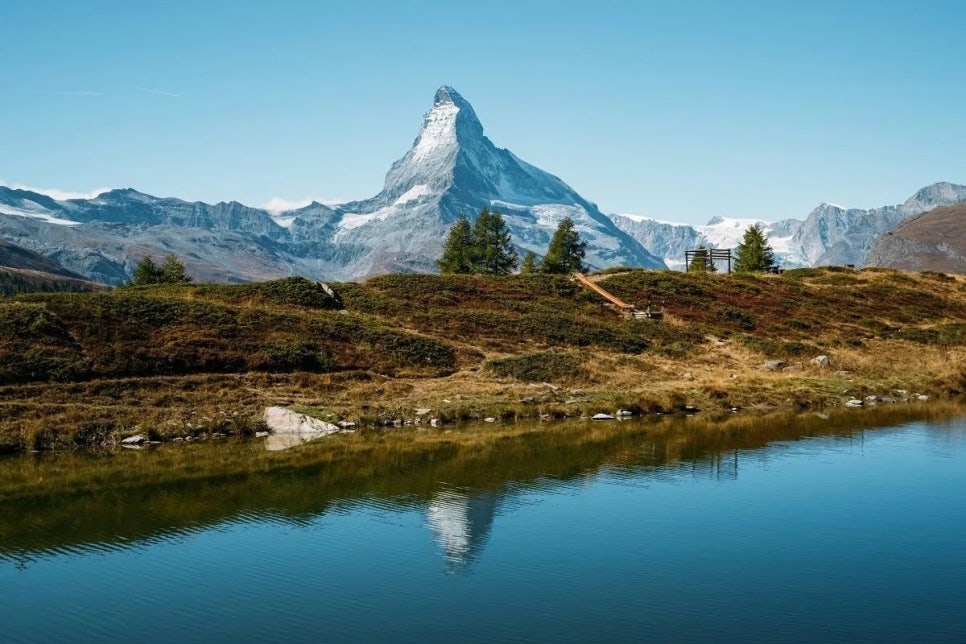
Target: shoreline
(500, 405)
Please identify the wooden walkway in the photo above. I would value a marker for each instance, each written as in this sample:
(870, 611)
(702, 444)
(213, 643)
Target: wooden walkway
(622, 306)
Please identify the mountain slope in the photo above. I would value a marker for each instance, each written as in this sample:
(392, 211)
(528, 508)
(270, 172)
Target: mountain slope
(16, 257)
(934, 241)
(24, 271)
(451, 169)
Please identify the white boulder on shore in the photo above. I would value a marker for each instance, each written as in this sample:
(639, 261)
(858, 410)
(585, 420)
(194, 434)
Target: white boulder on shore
(291, 428)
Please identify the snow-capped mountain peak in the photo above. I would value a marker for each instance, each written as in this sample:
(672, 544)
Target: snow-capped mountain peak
(453, 169)
(451, 124)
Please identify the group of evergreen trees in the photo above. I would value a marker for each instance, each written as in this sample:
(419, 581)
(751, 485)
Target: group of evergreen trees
(171, 271)
(752, 255)
(486, 248)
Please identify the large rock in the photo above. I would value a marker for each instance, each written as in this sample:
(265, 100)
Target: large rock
(291, 428)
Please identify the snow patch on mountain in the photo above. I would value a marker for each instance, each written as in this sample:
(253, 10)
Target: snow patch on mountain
(37, 213)
(726, 233)
(438, 134)
(670, 240)
(413, 194)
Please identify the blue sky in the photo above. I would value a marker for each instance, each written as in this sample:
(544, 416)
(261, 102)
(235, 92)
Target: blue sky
(678, 110)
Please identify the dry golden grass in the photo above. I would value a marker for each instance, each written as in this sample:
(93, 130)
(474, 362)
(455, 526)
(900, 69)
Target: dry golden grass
(884, 331)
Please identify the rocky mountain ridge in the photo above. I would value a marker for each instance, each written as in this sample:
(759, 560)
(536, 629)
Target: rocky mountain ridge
(829, 235)
(451, 169)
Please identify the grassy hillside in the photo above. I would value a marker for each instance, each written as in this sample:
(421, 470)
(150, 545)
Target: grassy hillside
(13, 256)
(14, 281)
(187, 360)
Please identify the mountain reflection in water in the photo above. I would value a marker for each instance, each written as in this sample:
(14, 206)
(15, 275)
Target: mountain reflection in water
(773, 529)
(461, 521)
(459, 493)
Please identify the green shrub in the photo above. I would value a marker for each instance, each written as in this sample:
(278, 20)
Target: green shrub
(537, 367)
(937, 276)
(922, 336)
(735, 315)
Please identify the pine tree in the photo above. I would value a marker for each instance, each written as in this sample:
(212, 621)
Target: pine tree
(701, 262)
(566, 252)
(754, 253)
(493, 252)
(529, 266)
(458, 249)
(146, 272)
(173, 272)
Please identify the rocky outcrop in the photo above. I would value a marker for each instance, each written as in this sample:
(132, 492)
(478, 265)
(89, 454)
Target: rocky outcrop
(290, 428)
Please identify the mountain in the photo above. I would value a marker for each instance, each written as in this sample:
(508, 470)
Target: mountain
(829, 235)
(934, 241)
(24, 271)
(834, 235)
(451, 169)
(16, 257)
(669, 240)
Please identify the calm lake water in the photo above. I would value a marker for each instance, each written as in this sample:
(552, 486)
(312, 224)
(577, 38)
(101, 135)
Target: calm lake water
(858, 535)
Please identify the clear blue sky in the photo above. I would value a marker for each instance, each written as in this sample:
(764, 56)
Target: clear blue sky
(679, 110)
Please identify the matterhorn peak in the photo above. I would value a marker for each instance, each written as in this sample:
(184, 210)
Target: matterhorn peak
(451, 124)
(448, 105)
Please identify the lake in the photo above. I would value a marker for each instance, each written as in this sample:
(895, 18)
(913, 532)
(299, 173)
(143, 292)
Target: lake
(849, 529)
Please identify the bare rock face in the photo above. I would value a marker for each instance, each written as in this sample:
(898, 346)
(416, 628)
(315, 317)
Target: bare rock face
(934, 241)
(290, 428)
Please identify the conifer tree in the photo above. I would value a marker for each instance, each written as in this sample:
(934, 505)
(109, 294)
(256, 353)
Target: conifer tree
(529, 266)
(701, 262)
(493, 252)
(146, 272)
(566, 252)
(458, 249)
(173, 272)
(754, 253)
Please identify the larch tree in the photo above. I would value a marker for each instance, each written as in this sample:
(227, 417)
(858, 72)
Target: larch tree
(458, 249)
(754, 254)
(173, 271)
(493, 252)
(529, 265)
(566, 251)
(146, 272)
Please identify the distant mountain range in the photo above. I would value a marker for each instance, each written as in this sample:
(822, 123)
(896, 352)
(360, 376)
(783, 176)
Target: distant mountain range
(451, 169)
(830, 235)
